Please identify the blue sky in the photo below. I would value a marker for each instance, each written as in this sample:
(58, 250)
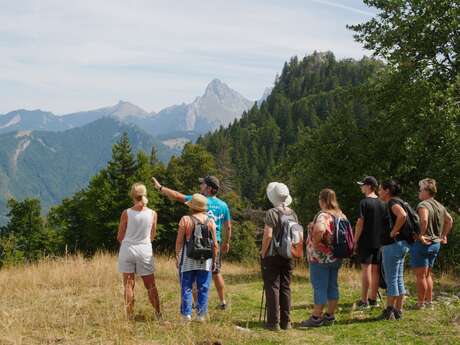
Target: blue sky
(66, 56)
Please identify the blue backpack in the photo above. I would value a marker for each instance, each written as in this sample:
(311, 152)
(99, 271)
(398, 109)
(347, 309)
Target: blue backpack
(343, 238)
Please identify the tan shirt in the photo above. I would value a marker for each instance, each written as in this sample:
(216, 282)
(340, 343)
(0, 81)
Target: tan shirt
(436, 216)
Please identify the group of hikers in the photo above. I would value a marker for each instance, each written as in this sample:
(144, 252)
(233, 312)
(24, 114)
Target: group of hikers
(386, 230)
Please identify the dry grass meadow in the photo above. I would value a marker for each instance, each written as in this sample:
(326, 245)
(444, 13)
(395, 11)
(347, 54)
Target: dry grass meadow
(80, 301)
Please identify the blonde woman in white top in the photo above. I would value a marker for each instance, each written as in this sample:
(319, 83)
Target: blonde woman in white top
(136, 231)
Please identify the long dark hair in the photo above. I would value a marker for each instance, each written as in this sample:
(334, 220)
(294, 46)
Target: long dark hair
(393, 187)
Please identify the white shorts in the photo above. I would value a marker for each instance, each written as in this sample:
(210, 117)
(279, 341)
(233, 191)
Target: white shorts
(136, 258)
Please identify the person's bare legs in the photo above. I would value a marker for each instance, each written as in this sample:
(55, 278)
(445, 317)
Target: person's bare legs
(365, 281)
(429, 281)
(129, 281)
(398, 302)
(220, 286)
(152, 291)
(318, 310)
(332, 306)
(375, 277)
(391, 301)
(422, 284)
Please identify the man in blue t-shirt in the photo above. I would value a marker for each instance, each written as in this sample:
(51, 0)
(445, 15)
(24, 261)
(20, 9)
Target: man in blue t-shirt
(218, 210)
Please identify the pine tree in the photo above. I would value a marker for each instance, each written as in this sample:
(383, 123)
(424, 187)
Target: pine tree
(120, 171)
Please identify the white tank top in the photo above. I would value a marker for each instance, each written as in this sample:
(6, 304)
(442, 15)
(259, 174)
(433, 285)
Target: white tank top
(139, 226)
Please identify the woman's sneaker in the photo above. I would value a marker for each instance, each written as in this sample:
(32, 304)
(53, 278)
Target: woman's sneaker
(328, 319)
(362, 305)
(398, 314)
(312, 322)
(388, 314)
(373, 303)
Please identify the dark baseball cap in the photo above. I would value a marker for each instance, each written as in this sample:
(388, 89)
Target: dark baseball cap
(210, 181)
(369, 181)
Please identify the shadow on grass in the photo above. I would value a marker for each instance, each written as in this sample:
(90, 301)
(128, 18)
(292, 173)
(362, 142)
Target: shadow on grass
(357, 321)
(140, 318)
(256, 277)
(256, 325)
(242, 278)
(250, 324)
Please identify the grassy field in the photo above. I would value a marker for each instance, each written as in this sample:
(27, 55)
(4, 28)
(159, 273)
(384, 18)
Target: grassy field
(78, 301)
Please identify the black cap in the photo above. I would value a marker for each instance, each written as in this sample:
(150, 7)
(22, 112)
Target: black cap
(369, 181)
(210, 181)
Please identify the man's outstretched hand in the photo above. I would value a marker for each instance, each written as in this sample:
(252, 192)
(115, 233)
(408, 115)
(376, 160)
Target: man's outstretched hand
(156, 183)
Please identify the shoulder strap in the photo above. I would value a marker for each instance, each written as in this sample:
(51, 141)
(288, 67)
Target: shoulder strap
(197, 221)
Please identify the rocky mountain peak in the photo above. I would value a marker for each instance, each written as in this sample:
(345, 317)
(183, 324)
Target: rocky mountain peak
(123, 109)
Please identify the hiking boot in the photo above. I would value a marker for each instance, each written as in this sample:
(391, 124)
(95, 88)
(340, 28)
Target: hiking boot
(398, 314)
(373, 303)
(312, 322)
(362, 305)
(328, 319)
(273, 327)
(222, 306)
(286, 326)
(388, 314)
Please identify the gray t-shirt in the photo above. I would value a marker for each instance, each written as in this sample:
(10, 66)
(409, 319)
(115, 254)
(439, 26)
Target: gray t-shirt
(436, 216)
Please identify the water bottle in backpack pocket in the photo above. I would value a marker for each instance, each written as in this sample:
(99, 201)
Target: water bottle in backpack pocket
(199, 246)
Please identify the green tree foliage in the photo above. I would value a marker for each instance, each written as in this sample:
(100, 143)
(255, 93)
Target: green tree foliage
(418, 99)
(89, 220)
(182, 174)
(308, 92)
(26, 237)
(420, 37)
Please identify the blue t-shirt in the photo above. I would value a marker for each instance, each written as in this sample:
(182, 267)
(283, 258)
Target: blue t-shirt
(218, 210)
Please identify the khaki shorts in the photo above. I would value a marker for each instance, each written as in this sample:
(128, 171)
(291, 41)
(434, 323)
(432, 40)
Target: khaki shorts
(217, 261)
(136, 258)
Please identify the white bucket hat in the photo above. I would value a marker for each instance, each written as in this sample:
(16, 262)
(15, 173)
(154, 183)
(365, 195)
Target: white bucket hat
(278, 193)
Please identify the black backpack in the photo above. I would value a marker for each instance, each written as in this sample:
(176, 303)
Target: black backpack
(199, 246)
(411, 229)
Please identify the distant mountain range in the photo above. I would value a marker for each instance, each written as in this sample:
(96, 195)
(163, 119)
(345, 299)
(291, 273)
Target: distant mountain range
(50, 157)
(218, 106)
(54, 165)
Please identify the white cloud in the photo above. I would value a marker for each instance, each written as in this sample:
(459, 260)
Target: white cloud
(82, 54)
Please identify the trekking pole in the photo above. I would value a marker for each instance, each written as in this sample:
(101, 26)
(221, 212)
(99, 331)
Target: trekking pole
(265, 311)
(261, 305)
(380, 296)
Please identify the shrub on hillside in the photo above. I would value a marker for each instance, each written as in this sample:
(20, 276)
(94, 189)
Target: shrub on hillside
(449, 256)
(243, 246)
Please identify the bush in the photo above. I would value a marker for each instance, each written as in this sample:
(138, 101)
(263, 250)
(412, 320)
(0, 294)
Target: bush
(449, 256)
(243, 246)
